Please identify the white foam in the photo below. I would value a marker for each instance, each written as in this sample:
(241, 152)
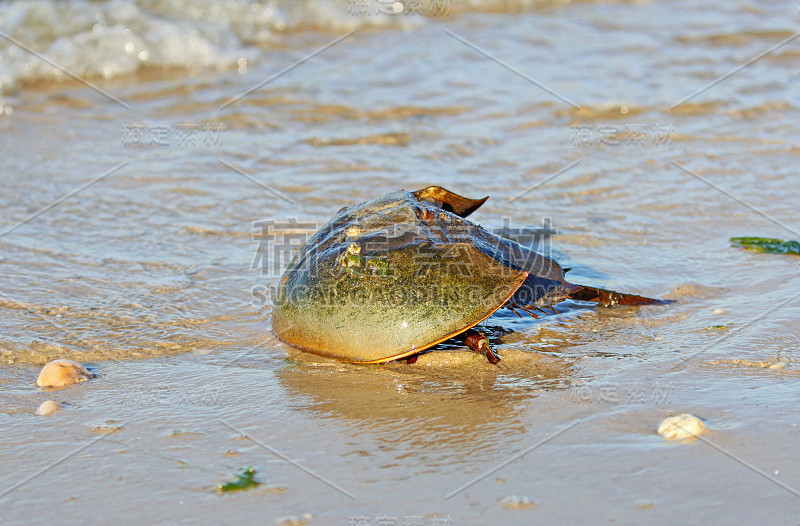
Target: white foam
(108, 39)
(94, 39)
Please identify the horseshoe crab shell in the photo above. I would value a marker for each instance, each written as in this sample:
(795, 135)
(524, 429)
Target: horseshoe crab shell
(391, 277)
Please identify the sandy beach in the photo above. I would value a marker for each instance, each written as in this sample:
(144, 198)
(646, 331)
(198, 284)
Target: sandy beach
(163, 161)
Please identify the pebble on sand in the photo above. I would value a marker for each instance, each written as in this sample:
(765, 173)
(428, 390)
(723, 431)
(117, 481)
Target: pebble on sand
(59, 373)
(48, 407)
(681, 426)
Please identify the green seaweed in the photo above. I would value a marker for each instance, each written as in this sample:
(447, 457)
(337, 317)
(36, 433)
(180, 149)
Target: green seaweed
(717, 328)
(767, 245)
(244, 481)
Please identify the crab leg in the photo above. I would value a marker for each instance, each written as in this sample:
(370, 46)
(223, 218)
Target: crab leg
(513, 310)
(477, 342)
(529, 311)
(513, 306)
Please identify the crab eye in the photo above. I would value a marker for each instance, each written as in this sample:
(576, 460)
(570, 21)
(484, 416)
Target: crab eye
(427, 215)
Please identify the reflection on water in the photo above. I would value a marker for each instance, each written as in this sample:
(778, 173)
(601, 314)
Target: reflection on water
(448, 399)
(453, 398)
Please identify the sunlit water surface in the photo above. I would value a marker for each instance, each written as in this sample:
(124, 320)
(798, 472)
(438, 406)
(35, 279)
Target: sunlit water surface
(148, 276)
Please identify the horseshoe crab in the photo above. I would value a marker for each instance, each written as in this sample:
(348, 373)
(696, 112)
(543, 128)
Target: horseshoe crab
(391, 277)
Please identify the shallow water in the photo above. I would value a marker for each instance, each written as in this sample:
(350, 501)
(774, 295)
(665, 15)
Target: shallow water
(151, 273)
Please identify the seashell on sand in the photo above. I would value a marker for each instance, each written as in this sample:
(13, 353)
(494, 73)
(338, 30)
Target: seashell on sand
(59, 373)
(517, 502)
(48, 407)
(681, 426)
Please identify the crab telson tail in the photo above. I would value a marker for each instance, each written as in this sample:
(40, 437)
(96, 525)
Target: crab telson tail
(610, 297)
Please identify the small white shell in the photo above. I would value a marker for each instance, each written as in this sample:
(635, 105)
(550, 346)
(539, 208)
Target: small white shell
(59, 373)
(681, 426)
(48, 407)
(517, 502)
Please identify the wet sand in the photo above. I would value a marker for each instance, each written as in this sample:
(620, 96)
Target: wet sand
(151, 277)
